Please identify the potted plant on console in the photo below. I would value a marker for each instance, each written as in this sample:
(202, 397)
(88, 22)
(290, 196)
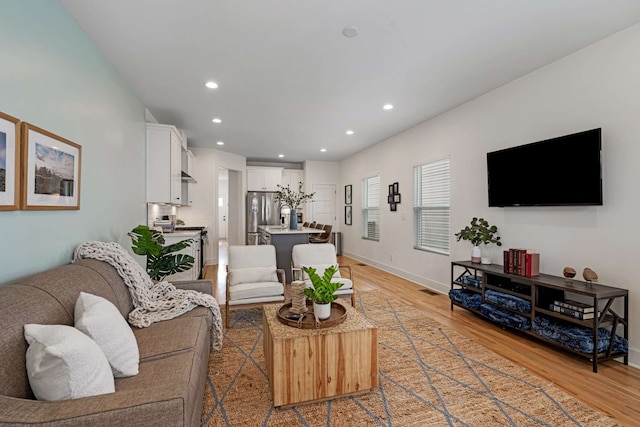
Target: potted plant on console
(479, 231)
(323, 291)
(292, 199)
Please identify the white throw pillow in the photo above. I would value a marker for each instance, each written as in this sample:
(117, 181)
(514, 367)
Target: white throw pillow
(63, 363)
(102, 322)
(252, 275)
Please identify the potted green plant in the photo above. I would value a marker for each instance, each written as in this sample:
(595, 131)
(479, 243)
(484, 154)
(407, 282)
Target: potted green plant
(292, 199)
(161, 260)
(323, 291)
(479, 232)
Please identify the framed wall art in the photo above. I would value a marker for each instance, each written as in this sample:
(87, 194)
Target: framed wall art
(9, 163)
(347, 215)
(347, 194)
(50, 170)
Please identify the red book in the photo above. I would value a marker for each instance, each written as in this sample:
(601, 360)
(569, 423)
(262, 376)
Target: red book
(521, 261)
(511, 257)
(505, 261)
(533, 264)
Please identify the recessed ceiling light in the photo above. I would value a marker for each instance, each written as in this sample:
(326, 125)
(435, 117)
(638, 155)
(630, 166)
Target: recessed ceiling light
(281, 155)
(387, 107)
(350, 31)
(349, 132)
(216, 120)
(220, 143)
(211, 85)
(323, 150)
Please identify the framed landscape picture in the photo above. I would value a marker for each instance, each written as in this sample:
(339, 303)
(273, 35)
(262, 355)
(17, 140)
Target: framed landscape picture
(9, 162)
(50, 170)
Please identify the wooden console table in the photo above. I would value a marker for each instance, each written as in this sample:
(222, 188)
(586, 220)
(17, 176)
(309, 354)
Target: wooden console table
(307, 365)
(543, 290)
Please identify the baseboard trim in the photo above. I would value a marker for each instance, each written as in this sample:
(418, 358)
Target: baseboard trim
(431, 284)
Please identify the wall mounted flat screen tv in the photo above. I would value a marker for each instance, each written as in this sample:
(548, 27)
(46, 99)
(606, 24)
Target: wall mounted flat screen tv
(563, 171)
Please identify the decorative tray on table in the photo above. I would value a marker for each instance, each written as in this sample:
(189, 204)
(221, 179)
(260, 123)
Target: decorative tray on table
(308, 320)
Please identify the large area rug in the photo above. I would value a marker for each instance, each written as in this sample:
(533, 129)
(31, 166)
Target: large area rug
(429, 376)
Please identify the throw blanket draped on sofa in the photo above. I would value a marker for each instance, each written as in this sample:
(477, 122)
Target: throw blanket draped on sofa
(153, 302)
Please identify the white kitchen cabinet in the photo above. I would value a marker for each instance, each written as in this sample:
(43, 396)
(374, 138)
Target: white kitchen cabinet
(291, 177)
(164, 164)
(187, 161)
(193, 250)
(263, 179)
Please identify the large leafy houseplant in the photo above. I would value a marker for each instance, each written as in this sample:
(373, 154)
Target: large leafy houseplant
(323, 291)
(161, 260)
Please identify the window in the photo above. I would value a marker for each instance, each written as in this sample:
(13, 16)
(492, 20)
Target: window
(432, 185)
(371, 208)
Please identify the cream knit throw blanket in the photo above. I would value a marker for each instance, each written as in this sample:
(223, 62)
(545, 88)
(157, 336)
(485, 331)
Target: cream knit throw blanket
(153, 302)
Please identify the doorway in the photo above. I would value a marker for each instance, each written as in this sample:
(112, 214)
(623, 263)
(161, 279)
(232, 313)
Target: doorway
(324, 204)
(223, 203)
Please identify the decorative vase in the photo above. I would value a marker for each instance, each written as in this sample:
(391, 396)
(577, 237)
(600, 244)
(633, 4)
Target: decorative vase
(322, 311)
(476, 255)
(293, 220)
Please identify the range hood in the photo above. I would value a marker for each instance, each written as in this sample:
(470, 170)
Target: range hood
(188, 178)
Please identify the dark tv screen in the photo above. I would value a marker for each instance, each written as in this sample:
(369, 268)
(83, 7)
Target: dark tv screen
(563, 171)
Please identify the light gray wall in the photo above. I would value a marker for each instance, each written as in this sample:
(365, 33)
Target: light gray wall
(204, 211)
(54, 77)
(595, 87)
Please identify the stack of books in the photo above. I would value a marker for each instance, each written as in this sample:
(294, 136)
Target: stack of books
(574, 309)
(524, 262)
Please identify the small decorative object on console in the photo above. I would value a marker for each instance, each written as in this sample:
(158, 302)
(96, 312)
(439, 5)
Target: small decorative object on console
(589, 275)
(569, 273)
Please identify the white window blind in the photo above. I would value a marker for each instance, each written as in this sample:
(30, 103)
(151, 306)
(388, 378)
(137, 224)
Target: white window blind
(371, 208)
(432, 187)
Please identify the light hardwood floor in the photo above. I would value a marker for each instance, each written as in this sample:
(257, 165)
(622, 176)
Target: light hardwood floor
(614, 390)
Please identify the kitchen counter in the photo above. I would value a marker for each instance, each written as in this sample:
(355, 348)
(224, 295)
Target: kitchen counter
(276, 229)
(284, 239)
(185, 234)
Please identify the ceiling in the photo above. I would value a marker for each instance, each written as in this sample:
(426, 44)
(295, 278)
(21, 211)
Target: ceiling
(291, 83)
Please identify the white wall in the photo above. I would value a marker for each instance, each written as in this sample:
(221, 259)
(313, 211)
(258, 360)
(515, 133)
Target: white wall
(204, 210)
(53, 77)
(595, 87)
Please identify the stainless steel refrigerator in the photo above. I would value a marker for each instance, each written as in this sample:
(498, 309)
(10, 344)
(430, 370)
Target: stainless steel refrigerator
(262, 209)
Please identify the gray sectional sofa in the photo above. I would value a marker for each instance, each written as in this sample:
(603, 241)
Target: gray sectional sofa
(174, 354)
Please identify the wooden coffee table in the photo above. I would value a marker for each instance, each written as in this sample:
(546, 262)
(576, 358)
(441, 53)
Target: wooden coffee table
(307, 365)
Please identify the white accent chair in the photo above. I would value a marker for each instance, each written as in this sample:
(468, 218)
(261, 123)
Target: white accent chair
(252, 277)
(320, 256)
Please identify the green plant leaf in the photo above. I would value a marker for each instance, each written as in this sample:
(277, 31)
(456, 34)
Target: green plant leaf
(324, 289)
(161, 262)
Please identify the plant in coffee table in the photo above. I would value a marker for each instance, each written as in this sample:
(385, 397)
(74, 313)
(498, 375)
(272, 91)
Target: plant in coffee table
(323, 291)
